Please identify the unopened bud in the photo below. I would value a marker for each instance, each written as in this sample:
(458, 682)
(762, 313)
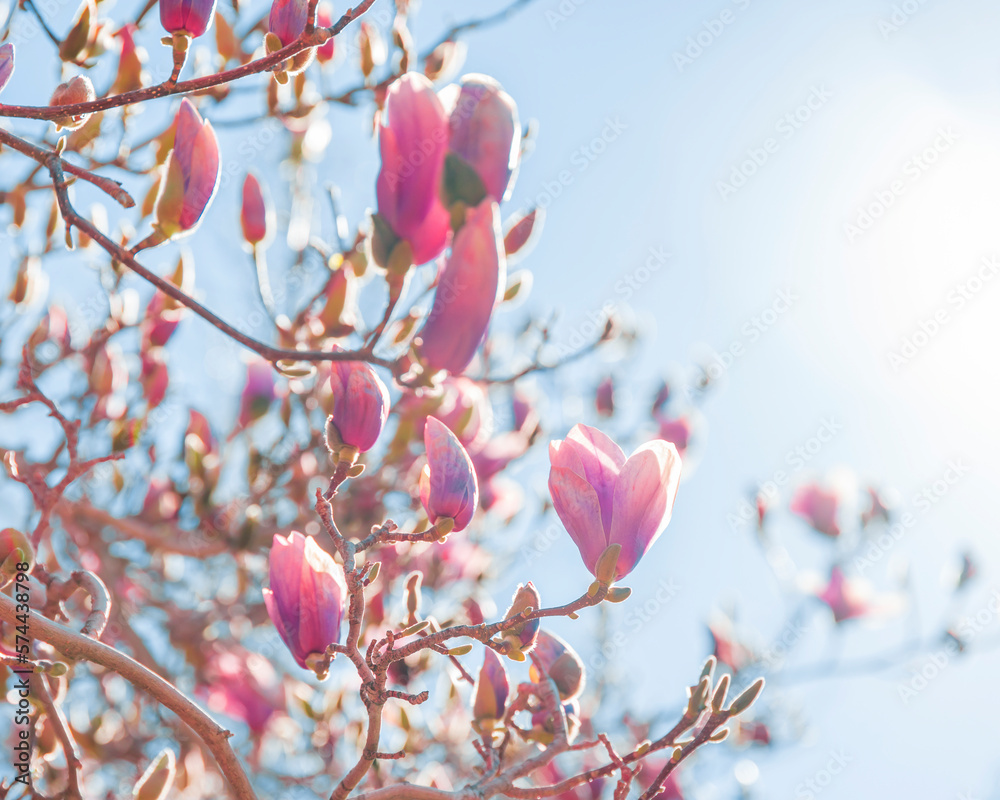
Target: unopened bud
(157, 779)
(721, 690)
(747, 698)
(413, 581)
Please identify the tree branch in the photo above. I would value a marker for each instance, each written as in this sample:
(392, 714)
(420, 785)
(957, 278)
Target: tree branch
(77, 646)
(312, 39)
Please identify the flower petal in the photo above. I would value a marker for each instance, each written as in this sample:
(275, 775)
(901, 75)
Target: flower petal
(576, 503)
(644, 500)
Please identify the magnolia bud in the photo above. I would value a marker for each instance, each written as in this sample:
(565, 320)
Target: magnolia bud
(156, 781)
(15, 549)
(721, 690)
(747, 698)
(413, 581)
(521, 638)
(490, 694)
(78, 90)
(560, 663)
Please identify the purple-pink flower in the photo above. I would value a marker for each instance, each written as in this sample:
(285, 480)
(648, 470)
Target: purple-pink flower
(258, 393)
(191, 17)
(192, 174)
(677, 431)
(466, 293)
(360, 403)
(844, 597)
(819, 507)
(6, 63)
(556, 659)
(306, 597)
(256, 213)
(244, 685)
(448, 485)
(413, 141)
(490, 693)
(288, 19)
(485, 131)
(604, 498)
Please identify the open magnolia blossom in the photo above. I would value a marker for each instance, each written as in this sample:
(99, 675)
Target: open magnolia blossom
(604, 498)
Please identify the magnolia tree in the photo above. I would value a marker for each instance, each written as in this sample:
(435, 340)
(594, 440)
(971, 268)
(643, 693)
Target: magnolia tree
(358, 501)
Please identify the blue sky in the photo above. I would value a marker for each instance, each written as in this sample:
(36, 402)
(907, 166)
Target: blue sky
(835, 161)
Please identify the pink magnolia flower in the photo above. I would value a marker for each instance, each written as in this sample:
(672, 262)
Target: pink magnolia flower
(256, 213)
(522, 637)
(288, 19)
(191, 176)
(485, 131)
(413, 140)
(844, 597)
(306, 597)
(543, 723)
(324, 19)
(556, 659)
(360, 403)
(244, 686)
(819, 507)
(77, 90)
(258, 393)
(448, 485)
(490, 693)
(677, 431)
(878, 507)
(604, 398)
(466, 293)
(191, 17)
(727, 648)
(603, 498)
(6, 63)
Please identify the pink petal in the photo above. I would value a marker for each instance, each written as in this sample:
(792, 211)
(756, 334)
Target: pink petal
(595, 457)
(576, 503)
(644, 500)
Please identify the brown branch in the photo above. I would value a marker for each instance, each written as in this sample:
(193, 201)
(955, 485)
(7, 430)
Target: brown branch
(76, 646)
(107, 185)
(44, 496)
(133, 529)
(312, 39)
(348, 97)
(59, 591)
(120, 254)
(61, 729)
